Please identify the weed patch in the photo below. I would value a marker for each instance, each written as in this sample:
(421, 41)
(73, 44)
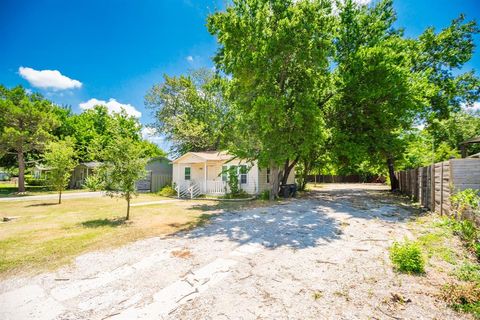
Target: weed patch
(407, 257)
(463, 297)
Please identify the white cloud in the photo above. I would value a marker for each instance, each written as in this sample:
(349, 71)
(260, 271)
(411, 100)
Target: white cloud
(112, 106)
(48, 79)
(190, 59)
(472, 107)
(363, 1)
(150, 134)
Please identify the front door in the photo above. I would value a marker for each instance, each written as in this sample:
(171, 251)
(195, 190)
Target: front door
(212, 173)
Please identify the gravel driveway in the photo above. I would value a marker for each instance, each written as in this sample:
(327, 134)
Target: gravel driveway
(325, 257)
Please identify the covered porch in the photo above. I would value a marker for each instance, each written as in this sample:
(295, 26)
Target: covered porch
(205, 176)
(200, 173)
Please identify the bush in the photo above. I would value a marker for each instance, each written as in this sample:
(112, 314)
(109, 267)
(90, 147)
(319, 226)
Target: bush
(407, 257)
(93, 183)
(233, 181)
(240, 194)
(466, 198)
(167, 191)
(31, 181)
(265, 195)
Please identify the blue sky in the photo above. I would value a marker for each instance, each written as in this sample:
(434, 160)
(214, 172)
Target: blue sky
(119, 49)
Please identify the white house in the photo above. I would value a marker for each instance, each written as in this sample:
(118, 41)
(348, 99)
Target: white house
(204, 173)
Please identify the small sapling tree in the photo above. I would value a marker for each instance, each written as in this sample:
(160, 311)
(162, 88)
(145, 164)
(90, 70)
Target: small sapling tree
(124, 165)
(60, 157)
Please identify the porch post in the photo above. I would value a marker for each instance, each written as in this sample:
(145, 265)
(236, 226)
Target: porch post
(205, 174)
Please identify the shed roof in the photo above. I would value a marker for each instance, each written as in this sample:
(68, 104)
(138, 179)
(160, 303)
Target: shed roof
(91, 164)
(473, 140)
(204, 156)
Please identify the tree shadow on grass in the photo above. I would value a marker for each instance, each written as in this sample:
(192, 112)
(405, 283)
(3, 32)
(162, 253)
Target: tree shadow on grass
(43, 204)
(99, 223)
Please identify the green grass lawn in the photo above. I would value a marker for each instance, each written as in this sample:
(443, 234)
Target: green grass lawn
(45, 235)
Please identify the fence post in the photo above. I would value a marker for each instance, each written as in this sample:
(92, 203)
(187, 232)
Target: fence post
(432, 186)
(441, 189)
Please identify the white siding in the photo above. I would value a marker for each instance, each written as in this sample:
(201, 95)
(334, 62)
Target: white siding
(256, 179)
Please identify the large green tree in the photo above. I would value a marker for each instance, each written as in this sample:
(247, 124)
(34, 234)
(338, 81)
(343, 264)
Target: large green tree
(26, 122)
(94, 129)
(441, 57)
(277, 55)
(190, 110)
(386, 83)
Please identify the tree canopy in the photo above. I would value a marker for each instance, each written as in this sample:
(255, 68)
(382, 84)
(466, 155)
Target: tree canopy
(191, 110)
(27, 121)
(277, 55)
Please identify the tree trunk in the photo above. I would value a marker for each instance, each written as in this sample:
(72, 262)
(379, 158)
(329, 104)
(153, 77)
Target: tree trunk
(128, 208)
(304, 176)
(287, 169)
(60, 197)
(394, 185)
(275, 176)
(21, 171)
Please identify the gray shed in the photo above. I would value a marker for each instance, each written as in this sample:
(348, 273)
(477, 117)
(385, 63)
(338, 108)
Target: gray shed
(159, 174)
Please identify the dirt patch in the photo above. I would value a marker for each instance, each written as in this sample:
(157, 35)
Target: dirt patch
(183, 253)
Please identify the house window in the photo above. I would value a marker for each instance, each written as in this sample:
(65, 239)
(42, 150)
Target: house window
(243, 174)
(224, 173)
(268, 175)
(187, 173)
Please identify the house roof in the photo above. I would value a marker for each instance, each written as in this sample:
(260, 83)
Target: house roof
(204, 156)
(159, 158)
(91, 164)
(42, 168)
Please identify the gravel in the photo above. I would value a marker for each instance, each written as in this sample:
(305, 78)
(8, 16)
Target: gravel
(324, 257)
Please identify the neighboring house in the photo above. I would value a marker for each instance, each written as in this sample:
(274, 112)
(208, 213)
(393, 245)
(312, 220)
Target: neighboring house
(81, 172)
(159, 174)
(205, 173)
(41, 172)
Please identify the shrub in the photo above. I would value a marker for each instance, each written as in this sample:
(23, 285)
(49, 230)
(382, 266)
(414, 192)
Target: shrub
(31, 181)
(241, 194)
(233, 180)
(167, 191)
(407, 257)
(265, 195)
(93, 183)
(468, 198)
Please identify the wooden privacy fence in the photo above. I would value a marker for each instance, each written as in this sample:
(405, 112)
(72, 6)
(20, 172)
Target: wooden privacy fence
(432, 186)
(159, 181)
(153, 182)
